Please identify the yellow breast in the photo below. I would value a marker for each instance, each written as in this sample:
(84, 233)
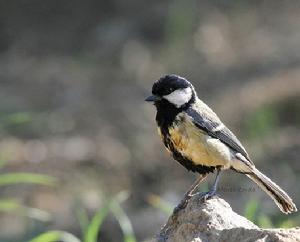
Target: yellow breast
(197, 146)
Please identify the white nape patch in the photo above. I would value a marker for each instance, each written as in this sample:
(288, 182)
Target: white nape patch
(179, 97)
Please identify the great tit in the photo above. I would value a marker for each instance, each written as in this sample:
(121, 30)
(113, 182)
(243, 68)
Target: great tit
(196, 137)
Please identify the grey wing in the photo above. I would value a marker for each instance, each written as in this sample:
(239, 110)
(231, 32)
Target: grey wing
(217, 130)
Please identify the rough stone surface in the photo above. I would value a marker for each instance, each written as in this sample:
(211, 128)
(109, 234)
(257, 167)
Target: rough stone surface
(214, 220)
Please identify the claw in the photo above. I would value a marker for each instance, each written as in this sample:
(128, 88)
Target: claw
(209, 195)
(182, 204)
(212, 192)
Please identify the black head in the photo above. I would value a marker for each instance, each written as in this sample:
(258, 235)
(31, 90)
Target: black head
(173, 91)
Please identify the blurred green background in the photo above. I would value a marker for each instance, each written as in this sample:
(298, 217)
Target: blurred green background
(79, 151)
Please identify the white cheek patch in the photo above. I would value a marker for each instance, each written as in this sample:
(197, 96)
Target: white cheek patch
(180, 97)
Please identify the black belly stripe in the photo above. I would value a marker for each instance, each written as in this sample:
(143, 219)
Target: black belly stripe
(165, 118)
(184, 161)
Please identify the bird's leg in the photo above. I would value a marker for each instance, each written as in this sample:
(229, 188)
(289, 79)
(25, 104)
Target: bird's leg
(189, 193)
(213, 189)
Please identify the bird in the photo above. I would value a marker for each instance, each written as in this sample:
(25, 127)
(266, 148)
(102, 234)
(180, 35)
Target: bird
(195, 136)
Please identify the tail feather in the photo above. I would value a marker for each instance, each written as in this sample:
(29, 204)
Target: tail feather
(282, 200)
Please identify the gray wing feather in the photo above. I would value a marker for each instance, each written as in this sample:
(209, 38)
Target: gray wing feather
(225, 135)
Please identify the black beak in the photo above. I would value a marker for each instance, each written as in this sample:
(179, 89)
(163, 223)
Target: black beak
(152, 98)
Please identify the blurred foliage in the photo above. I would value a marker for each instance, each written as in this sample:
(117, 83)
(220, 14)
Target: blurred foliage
(13, 205)
(22, 177)
(250, 210)
(254, 214)
(161, 204)
(53, 236)
(15, 122)
(124, 222)
(113, 206)
(90, 230)
(262, 122)
(15, 119)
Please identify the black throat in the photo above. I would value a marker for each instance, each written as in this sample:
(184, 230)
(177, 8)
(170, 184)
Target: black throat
(166, 112)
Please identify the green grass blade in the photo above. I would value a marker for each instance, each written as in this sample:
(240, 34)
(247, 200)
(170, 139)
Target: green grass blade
(55, 236)
(9, 205)
(251, 209)
(124, 222)
(288, 223)
(50, 236)
(31, 178)
(264, 222)
(17, 118)
(13, 206)
(93, 229)
(82, 219)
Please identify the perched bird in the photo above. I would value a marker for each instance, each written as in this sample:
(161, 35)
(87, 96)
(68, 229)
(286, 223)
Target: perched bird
(198, 140)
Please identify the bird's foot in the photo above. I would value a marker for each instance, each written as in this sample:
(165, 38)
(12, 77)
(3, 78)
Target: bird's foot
(202, 195)
(206, 195)
(183, 203)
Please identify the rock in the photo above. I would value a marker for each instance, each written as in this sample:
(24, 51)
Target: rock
(213, 220)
